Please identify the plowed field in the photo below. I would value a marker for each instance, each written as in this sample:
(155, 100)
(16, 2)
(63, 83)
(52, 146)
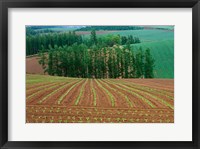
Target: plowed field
(51, 99)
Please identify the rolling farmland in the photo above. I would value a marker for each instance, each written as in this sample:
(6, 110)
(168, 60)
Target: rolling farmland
(52, 99)
(164, 68)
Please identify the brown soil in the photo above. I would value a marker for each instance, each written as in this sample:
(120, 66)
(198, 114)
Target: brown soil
(154, 101)
(37, 97)
(134, 99)
(156, 93)
(32, 66)
(53, 99)
(87, 98)
(49, 111)
(37, 88)
(119, 99)
(33, 86)
(73, 114)
(70, 98)
(167, 84)
(103, 100)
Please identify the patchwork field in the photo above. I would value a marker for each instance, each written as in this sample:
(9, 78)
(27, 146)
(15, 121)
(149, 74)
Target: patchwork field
(51, 99)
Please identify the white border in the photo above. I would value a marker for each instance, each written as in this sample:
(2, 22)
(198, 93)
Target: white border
(181, 130)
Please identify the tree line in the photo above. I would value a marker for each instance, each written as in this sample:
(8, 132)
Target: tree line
(35, 42)
(81, 61)
(97, 28)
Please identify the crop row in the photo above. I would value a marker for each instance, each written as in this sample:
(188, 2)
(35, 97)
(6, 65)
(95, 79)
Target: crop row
(76, 115)
(100, 93)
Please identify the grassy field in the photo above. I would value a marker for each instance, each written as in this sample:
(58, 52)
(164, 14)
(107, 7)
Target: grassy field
(146, 35)
(163, 53)
(51, 99)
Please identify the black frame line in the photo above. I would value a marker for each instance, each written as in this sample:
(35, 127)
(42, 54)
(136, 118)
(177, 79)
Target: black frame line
(5, 4)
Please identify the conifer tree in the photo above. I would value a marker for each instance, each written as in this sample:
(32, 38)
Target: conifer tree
(149, 64)
(139, 63)
(93, 37)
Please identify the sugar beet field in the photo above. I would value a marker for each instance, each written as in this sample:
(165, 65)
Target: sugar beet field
(51, 99)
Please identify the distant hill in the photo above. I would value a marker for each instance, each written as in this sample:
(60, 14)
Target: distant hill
(54, 27)
(98, 28)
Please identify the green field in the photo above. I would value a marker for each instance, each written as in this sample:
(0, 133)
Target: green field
(163, 53)
(161, 43)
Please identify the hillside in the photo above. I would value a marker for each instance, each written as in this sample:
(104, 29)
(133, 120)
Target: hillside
(32, 65)
(163, 53)
(146, 35)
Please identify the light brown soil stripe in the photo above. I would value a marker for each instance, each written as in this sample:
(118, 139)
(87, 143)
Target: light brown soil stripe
(128, 101)
(33, 90)
(30, 87)
(109, 94)
(55, 91)
(134, 93)
(94, 93)
(144, 88)
(62, 97)
(146, 83)
(27, 98)
(81, 93)
(138, 85)
(152, 96)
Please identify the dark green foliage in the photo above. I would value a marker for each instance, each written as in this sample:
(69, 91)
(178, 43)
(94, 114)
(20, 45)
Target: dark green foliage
(149, 64)
(35, 42)
(139, 63)
(43, 58)
(97, 28)
(50, 63)
(129, 40)
(97, 62)
(103, 57)
(93, 37)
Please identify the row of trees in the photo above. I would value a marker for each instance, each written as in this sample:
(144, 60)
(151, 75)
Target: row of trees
(97, 28)
(30, 31)
(35, 42)
(111, 40)
(97, 61)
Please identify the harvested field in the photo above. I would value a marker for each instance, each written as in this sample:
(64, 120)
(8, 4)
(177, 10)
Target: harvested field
(51, 99)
